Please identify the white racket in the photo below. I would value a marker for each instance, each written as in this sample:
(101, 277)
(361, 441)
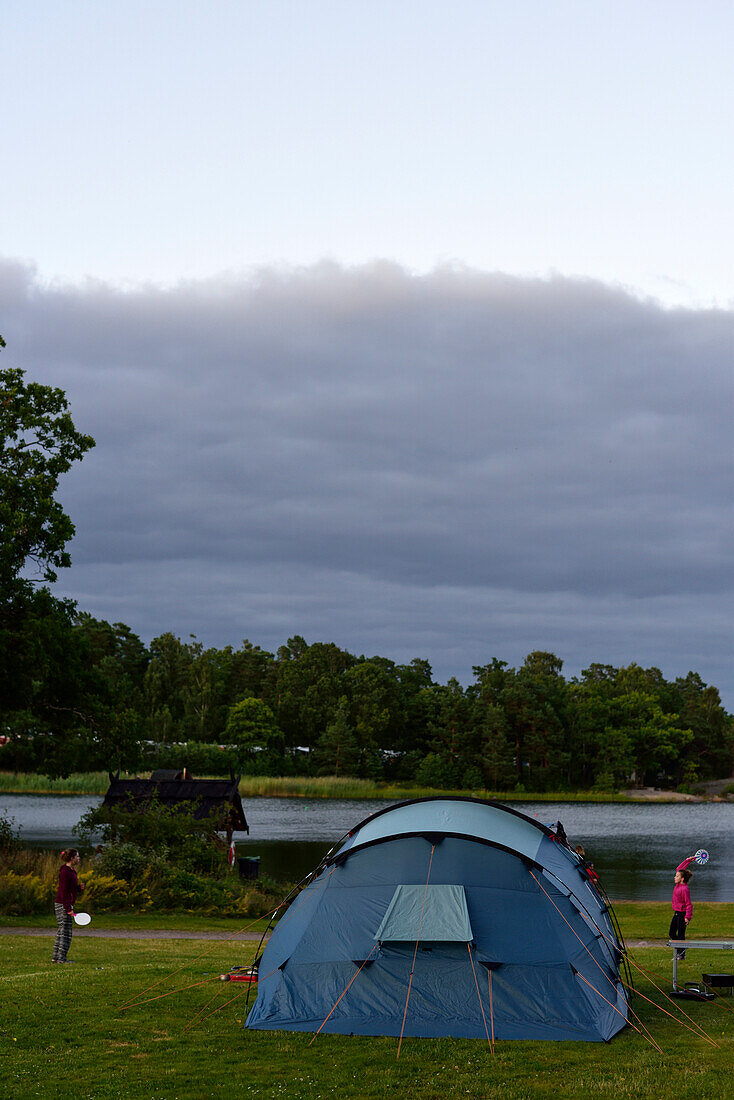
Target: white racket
(701, 857)
(82, 918)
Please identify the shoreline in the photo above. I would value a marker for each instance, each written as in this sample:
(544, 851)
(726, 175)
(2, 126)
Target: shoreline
(95, 784)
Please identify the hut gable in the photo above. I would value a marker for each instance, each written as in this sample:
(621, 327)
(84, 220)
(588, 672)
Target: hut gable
(175, 788)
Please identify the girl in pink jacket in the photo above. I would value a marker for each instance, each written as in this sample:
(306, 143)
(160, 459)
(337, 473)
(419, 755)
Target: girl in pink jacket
(682, 905)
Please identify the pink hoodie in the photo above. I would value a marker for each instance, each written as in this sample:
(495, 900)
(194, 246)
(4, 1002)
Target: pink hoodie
(681, 894)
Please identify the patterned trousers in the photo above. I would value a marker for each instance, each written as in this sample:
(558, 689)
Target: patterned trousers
(62, 943)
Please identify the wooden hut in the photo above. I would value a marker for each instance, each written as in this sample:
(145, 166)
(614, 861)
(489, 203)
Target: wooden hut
(218, 798)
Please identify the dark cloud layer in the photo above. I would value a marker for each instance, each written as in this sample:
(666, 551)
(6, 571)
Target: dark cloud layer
(453, 466)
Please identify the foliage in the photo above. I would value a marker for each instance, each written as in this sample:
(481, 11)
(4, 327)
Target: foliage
(124, 878)
(38, 443)
(188, 690)
(161, 888)
(172, 833)
(76, 783)
(104, 893)
(200, 758)
(337, 752)
(60, 707)
(23, 894)
(123, 861)
(251, 725)
(173, 888)
(309, 686)
(438, 770)
(9, 836)
(79, 693)
(323, 787)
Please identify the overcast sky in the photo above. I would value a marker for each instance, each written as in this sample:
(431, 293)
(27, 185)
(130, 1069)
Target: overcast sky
(403, 325)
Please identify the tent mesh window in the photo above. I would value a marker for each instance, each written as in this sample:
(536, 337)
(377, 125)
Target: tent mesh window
(434, 913)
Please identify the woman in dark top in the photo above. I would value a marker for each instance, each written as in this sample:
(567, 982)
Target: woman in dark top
(67, 893)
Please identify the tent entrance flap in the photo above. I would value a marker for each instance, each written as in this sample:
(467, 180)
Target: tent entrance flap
(439, 911)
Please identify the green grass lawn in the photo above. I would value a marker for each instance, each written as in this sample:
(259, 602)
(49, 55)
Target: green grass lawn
(62, 1034)
(650, 920)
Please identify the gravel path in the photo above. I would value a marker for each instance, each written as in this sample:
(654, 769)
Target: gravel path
(135, 934)
(163, 934)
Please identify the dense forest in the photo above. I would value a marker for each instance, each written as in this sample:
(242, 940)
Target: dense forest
(77, 693)
(81, 694)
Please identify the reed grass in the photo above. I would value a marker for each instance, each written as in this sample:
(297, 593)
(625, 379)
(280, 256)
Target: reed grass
(76, 783)
(32, 861)
(328, 786)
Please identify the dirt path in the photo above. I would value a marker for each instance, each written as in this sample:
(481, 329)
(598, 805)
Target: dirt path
(162, 934)
(136, 934)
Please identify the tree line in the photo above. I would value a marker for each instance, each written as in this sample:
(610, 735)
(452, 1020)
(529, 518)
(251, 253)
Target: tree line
(78, 693)
(83, 694)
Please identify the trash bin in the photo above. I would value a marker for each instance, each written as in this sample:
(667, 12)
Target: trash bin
(249, 867)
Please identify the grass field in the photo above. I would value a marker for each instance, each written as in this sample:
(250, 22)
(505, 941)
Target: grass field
(62, 1034)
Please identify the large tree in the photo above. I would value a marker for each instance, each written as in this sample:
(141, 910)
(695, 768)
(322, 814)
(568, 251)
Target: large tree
(48, 700)
(38, 443)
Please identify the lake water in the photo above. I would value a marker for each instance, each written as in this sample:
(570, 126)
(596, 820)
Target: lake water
(635, 848)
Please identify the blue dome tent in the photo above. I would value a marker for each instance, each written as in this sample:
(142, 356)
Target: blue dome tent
(446, 916)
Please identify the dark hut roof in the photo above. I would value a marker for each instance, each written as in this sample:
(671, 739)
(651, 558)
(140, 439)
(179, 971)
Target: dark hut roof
(208, 795)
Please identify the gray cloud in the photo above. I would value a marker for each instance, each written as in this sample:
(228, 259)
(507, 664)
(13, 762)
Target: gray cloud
(452, 466)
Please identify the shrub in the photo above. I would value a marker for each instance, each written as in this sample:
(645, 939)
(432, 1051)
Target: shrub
(203, 759)
(126, 861)
(689, 778)
(103, 893)
(199, 757)
(159, 886)
(172, 831)
(9, 837)
(173, 888)
(21, 895)
(604, 783)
